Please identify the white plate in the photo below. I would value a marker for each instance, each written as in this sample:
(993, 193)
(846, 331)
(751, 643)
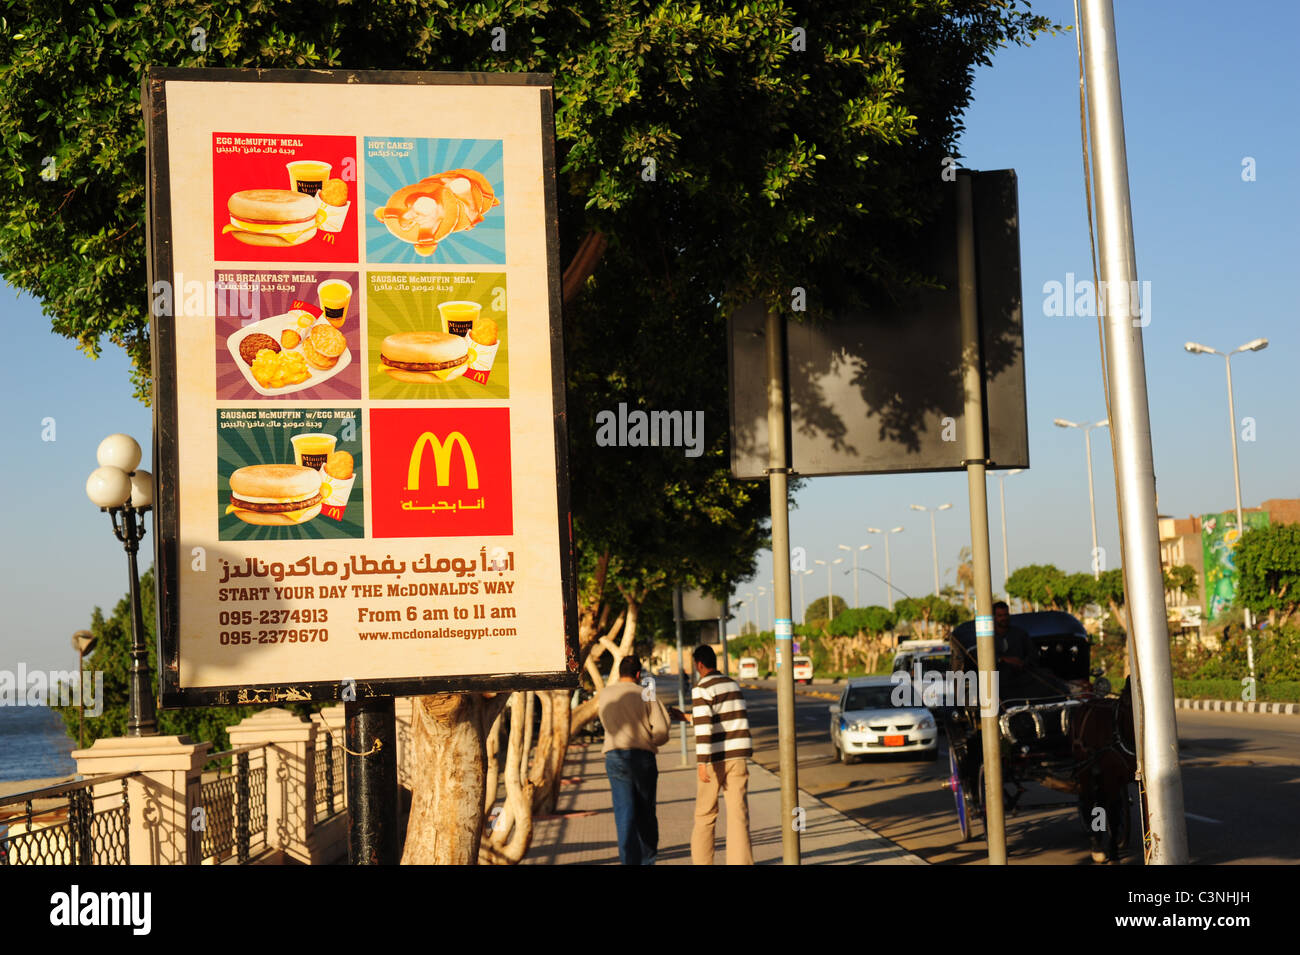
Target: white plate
(273, 326)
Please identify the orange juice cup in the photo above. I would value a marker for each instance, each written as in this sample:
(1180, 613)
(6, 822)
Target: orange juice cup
(335, 296)
(308, 175)
(311, 450)
(458, 317)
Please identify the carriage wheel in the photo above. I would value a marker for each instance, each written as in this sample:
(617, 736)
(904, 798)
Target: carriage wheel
(958, 794)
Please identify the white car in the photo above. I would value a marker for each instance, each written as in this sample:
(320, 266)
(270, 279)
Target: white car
(803, 669)
(865, 721)
(747, 669)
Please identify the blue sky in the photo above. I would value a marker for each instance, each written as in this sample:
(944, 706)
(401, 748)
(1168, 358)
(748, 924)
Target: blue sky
(1205, 85)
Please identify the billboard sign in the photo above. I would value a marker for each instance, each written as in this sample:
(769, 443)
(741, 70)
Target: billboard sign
(881, 392)
(358, 386)
(1219, 537)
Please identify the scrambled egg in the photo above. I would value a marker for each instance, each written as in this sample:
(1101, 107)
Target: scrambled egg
(277, 370)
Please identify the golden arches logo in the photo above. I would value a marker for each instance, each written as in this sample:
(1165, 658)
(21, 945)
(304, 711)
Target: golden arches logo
(441, 460)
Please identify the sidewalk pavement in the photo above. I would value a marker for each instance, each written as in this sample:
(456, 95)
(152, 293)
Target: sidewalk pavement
(582, 831)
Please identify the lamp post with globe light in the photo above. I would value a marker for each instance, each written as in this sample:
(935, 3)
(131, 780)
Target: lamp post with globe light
(124, 491)
(83, 641)
(1258, 344)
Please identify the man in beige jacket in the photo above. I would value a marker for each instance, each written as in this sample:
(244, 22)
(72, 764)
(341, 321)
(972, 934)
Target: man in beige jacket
(636, 725)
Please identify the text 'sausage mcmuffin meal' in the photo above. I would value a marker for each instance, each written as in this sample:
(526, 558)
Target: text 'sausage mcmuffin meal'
(275, 494)
(274, 217)
(423, 357)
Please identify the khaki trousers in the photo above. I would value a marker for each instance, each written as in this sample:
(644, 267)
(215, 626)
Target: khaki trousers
(732, 779)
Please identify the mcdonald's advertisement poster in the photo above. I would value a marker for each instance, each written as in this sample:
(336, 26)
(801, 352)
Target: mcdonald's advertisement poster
(360, 394)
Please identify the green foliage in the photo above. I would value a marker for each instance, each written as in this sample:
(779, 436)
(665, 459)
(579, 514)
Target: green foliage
(1182, 578)
(1268, 561)
(817, 609)
(112, 656)
(811, 163)
(1037, 583)
(930, 610)
(1288, 692)
(870, 620)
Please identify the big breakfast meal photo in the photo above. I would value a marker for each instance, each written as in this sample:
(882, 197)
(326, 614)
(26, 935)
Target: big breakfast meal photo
(301, 337)
(434, 201)
(290, 473)
(437, 335)
(284, 197)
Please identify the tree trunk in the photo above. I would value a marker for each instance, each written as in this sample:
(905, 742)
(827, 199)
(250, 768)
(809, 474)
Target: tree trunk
(552, 748)
(447, 777)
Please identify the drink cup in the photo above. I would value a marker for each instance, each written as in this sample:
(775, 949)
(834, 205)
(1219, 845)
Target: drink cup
(335, 296)
(311, 450)
(458, 317)
(307, 175)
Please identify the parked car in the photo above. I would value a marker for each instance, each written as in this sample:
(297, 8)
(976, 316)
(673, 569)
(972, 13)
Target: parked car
(866, 721)
(803, 669)
(747, 669)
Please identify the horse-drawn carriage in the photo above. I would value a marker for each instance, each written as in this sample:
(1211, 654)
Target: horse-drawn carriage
(1057, 727)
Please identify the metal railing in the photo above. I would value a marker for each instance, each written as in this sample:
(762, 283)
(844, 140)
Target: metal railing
(234, 806)
(82, 827)
(328, 775)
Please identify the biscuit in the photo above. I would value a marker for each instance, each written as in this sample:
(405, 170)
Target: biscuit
(328, 341)
(254, 343)
(339, 465)
(334, 192)
(484, 331)
(289, 338)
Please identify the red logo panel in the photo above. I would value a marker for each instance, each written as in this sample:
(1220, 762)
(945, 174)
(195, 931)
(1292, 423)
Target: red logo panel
(440, 472)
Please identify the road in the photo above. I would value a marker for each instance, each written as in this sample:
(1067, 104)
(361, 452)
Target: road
(1240, 773)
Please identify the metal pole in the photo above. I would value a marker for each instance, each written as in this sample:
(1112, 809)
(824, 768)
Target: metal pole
(372, 781)
(143, 719)
(829, 614)
(778, 478)
(1002, 494)
(1241, 525)
(1092, 502)
(803, 601)
(81, 699)
(986, 652)
(1130, 423)
(722, 627)
(889, 577)
(934, 547)
(681, 663)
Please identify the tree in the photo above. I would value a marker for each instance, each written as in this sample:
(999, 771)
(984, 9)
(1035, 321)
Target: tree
(817, 609)
(1037, 583)
(812, 162)
(1076, 591)
(776, 167)
(1268, 562)
(932, 612)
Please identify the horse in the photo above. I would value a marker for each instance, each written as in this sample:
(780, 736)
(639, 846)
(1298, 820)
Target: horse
(1105, 762)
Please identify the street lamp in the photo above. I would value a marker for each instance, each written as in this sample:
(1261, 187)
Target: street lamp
(83, 641)
(889, 582)
(120, 489)
(759, 611)
(934, 541)
(1002, 494)
(803, 601)
(829, 605)
(1258, 344)
(856, 602)
(1092, 504)
(749, 612)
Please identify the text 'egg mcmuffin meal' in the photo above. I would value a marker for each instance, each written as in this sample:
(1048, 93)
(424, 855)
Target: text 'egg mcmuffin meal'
(274, 494)
(272, 217)
(424, 357)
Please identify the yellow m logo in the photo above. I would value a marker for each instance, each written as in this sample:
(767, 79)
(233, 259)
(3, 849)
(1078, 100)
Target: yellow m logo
(441, 460)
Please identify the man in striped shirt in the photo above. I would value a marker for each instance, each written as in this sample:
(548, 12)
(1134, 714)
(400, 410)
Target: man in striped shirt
(722, 751)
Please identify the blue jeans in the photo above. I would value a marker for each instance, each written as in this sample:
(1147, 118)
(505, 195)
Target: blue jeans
(633, 779)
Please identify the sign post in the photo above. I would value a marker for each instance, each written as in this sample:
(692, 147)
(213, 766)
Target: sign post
(359, 431)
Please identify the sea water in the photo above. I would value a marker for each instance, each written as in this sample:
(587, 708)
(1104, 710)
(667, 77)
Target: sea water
(34, 744)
